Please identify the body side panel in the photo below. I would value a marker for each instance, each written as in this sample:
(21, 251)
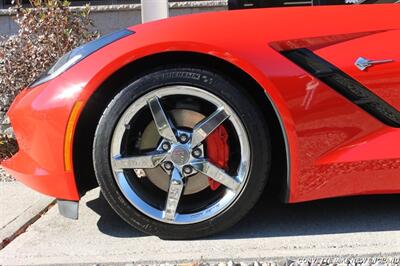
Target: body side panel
(382, 79)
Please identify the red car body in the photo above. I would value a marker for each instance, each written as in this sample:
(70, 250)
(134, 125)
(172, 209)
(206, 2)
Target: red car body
(333, 147)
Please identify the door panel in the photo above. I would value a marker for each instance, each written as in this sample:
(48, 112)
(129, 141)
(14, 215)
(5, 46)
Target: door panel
(382, 79)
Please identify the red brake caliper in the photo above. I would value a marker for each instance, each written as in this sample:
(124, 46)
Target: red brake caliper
(218, 151)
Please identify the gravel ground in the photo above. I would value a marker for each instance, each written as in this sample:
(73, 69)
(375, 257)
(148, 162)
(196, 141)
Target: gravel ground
(362, 261)
(5, 177)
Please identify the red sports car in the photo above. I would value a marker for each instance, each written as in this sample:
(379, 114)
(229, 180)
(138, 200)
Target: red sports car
(182, 122)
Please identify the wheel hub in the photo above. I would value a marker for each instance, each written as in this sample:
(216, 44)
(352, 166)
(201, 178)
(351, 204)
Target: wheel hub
(180, 155)
(183, 118)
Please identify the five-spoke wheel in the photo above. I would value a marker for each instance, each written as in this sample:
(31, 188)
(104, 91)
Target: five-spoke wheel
(180, 155)
(180, 151)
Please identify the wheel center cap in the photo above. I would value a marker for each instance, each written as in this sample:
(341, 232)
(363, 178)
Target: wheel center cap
(180, 155)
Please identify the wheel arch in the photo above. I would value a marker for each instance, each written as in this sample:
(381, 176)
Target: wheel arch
(91, 113)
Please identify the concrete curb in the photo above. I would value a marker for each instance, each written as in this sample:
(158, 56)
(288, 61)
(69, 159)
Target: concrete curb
(18, 224)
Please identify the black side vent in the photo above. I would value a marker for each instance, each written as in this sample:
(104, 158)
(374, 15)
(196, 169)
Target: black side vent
(345, 85)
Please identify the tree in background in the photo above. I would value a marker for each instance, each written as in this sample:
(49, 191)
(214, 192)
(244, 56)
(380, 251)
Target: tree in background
(47, 30)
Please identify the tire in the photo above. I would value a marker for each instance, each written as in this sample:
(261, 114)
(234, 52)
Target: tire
(187, 90)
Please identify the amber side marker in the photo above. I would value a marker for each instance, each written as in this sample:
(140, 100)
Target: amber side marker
(69, 135)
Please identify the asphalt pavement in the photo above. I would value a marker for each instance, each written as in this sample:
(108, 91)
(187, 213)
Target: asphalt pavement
(357, 226)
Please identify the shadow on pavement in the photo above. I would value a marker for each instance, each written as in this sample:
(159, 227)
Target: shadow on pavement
(110, 223)
(271, 218)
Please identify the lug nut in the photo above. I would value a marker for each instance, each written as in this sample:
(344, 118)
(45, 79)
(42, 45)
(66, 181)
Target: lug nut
(183, 138)
(196, 153)
(166, 146)
(187, 169)
(168, 166)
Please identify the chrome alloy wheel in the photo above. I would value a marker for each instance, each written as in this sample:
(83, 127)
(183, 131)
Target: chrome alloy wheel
(181, 154)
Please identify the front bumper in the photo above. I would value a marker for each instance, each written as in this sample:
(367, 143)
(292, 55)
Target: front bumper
(39, 118)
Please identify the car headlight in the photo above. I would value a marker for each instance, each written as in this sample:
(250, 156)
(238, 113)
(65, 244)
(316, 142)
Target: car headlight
(78, 54)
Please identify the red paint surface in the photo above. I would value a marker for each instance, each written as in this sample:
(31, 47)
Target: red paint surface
(335, 148)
